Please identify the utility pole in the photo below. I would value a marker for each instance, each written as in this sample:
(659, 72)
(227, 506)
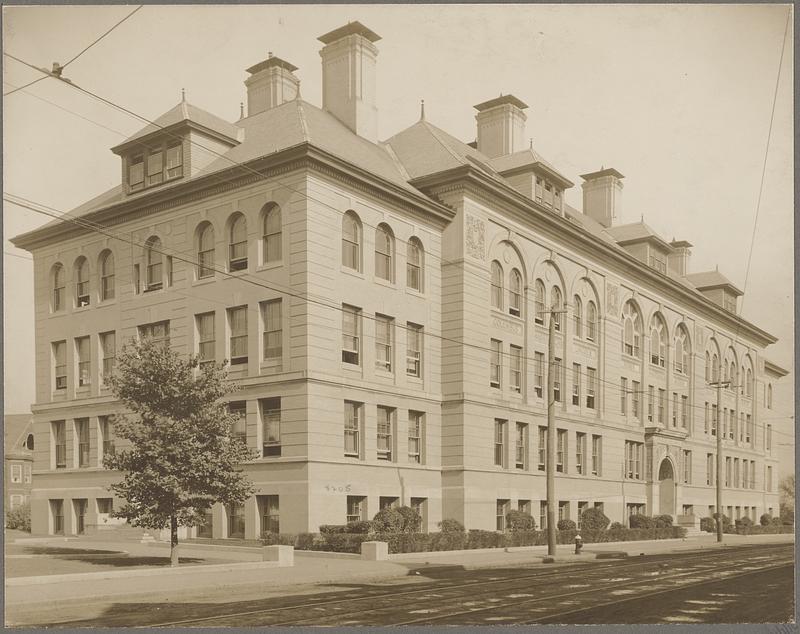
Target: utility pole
(551, 438)
(718, 383)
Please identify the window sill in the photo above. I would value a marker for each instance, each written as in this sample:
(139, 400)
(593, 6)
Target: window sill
(382, 282)
(348, 271)
(414, 380)
(237, 272)
(83, 390)
(200, 281)
(81, 309)
(384, 374)
(268, 266)
(107, 302)
(414, 292)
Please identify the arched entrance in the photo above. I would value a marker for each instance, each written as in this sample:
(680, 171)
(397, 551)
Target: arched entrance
(666, 488)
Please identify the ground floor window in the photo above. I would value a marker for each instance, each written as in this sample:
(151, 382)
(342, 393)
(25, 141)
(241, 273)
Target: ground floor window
(356, 508)
(635, 509)
(420, 505)
(503, 506)
(80, 515)
(57, 513)
(563, 510)
(543, 515)
(524, 506)
(688, 509)
(236, 521)
(270, 513)
(582, 506)
(105, 505)
(207, 528)
(387, 502)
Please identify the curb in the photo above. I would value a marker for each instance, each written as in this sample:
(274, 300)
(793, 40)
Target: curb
(128, 574)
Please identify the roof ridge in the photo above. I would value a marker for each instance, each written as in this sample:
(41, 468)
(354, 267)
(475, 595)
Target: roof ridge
(435, 134)
(387, 146)
(301, 116)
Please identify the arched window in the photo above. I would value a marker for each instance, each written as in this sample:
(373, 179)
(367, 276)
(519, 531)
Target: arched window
(155, 272)
(681, 352)
(556, 305)
(237, 245)
(384, 253)
(107, 286)
(577, 315)
(497, 285)
(538, 302)
(29, 442)
(632, 331)
(57, 276)
(515, 293)
(273, 234)
(708, 367)
(732, 375)
(81, 282)
(714, 368)
(749, 383)
(205, 251)
(591, 321)
(658, 342)
(351, 241)
(414, 264)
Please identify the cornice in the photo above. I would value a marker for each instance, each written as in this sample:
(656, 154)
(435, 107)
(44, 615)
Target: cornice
(560, 229)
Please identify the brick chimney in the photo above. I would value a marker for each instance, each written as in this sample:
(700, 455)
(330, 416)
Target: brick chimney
(348, 78)
(501, 126)
(271, 83)
(602, 195)
(678, 260)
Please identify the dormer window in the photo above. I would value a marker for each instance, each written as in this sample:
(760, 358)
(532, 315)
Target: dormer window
(157, 166)
(730, 303)
(136, 173)
(174, 160)
(658, 262)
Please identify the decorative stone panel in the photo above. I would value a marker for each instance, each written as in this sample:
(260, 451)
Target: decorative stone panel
(612, 299)
(475, 237)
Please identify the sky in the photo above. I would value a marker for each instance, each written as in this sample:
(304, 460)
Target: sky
(676, 97)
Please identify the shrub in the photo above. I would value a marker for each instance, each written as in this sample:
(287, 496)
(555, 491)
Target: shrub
(766, 519)
(344, 542)
(726, 523)
(787, 516)
(594, 520)
(412, 520)
(708, 525)
(451, 526)
(19, 518)
(485, 539)
(565, 525)
(279, 539)
(662, 521)
(388, 520)
(359, 527)
(330, 529)
(306, 541)
(520, 521)
(641, 521)
(448, 540)
(744, 522)
(615, 526)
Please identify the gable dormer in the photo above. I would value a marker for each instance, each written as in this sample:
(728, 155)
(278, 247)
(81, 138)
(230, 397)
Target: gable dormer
(162, 152)
(718, 288)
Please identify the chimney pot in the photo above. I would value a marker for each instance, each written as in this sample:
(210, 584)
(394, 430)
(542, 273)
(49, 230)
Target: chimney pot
(602, 195)
(271, 83)
(501, 125)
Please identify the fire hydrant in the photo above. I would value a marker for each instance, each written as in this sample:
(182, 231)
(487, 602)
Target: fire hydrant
(578, 544)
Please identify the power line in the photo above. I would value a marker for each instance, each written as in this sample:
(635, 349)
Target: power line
(102, 36)
(30, 83)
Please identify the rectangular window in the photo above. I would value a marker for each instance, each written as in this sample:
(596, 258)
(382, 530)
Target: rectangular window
(238, 410)
(499, 443)
(60, 362)
(174, 160)
(351, 334)
(727, 471)
(107, 432)
(384, 327)
(634, 453)
(236, 521)
(543, 515)
(736, 473)
(752, 474)
(731, 425)
(576, 384)
(674, 409)
(57, 513)
(352, 429)
(768, 443)
(356, 508)
(563, 510)
(580, 453)
(270, 513)
(597, 455)
(108, 348)
(623, 396)
(105, 505)
(684, 411)
(582, 506)
(651, 402)
(524, 506)
(416, 422)
(741, 427)
(538, 373)
(82, 432)
(385, 432)
(687, 466)
(155, 168)
(745, 473)
(521, 454)
(60, 443)
(749, 430)
(709, 469)
(556, 370)
(515, 359)
(724, 423)
(272, 316)
(542, 453)
(206, 346)
(414, 342)
(503, 507)
(237, 320)
(714, 419)
(83, 348)
(136, 172)
(495, 363)
(28, 473)
(420, 505)
(635, 393)
(271, 427)
(16, 473)
(561, 451)
(662, 397)
(388, 502)
(157, 332)
(591, 387)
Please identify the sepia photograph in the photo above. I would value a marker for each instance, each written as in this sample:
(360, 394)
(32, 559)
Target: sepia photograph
(402, 314)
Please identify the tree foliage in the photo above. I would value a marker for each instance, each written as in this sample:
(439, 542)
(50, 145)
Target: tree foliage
(182, 456)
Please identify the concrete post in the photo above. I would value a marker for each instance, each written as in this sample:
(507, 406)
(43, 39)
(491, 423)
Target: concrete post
(374, 551)
(284, 555)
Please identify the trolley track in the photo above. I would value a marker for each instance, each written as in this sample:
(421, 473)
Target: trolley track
(328, 610)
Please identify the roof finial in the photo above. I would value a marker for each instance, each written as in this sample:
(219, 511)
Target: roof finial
(422, 110)
(642, 218)
(241, 109)
(297, 97)
(531, 144)
(183, 95)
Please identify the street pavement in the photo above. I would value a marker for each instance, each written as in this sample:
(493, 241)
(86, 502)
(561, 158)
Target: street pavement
(312, 572)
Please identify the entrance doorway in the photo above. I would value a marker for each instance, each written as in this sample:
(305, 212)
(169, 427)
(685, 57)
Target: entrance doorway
(666, 488)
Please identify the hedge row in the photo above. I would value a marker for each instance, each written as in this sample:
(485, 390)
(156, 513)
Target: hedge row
(428, 542)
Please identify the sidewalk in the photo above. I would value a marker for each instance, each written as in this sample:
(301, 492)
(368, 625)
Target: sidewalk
(311, 572)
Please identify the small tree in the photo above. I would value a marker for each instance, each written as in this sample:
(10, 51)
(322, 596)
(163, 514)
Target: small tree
(786, 488)
(183, 457)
